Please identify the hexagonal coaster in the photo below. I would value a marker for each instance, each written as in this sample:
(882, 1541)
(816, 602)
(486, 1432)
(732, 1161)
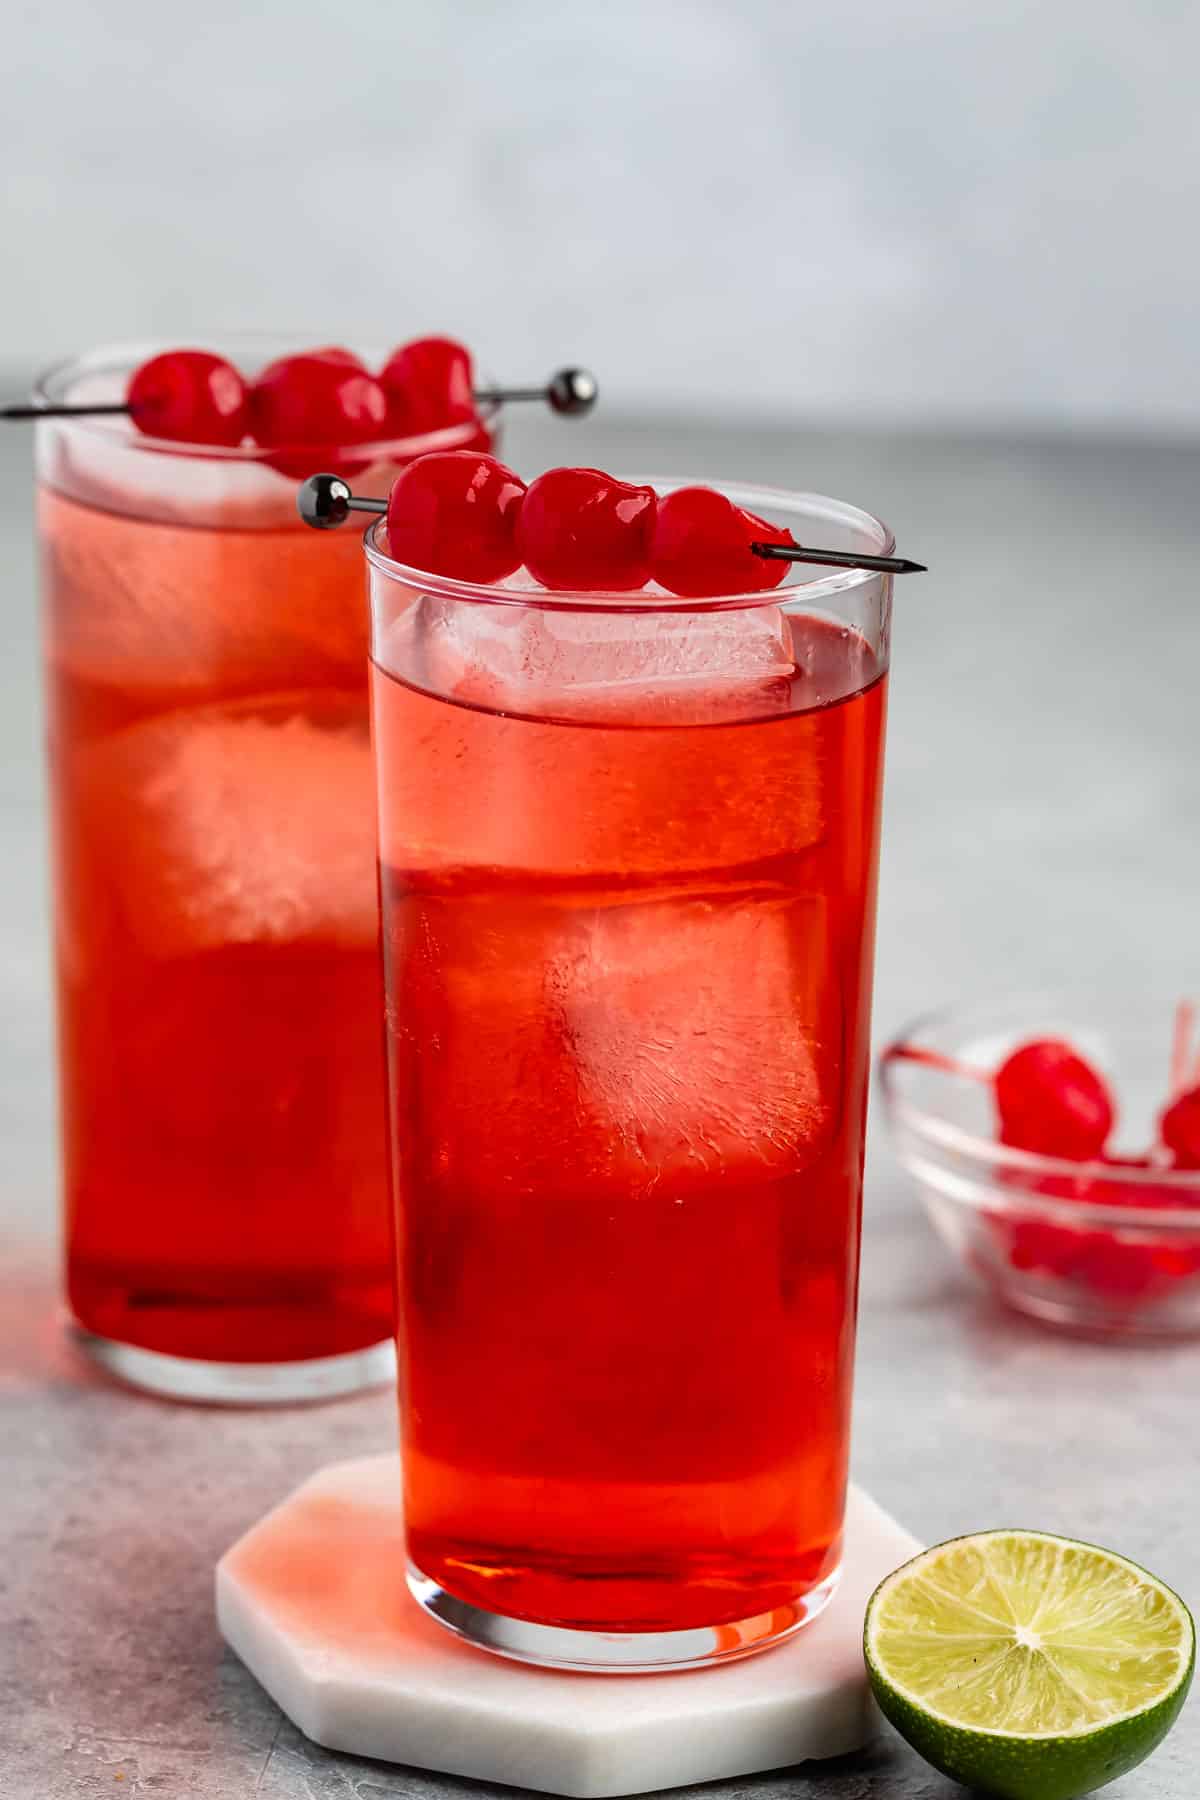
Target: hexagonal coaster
(315, 1603)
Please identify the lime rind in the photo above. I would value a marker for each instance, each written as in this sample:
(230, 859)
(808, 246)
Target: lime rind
(1028, 1665)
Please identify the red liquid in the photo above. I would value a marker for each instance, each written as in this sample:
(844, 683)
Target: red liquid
(216, 930)
(628, 972)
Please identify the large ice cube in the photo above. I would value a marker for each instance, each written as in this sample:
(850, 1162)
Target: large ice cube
(630, 667)
(246, 824)
(678, 1023)
(628, 791)
(168, 609)
(676, 1043)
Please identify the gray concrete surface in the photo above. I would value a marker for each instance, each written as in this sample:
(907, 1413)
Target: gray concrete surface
(1041, 821)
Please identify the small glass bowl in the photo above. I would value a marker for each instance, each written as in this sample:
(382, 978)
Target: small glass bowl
(1100, 1248)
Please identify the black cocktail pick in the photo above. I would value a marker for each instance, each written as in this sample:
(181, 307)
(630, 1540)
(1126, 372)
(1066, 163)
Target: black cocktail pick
(839, 559)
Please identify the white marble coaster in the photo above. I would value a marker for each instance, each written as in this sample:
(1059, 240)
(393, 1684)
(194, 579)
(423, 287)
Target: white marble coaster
(314, 1601)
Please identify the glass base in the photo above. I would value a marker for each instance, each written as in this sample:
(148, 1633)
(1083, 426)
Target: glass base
(240, 1384)
(617, 1652)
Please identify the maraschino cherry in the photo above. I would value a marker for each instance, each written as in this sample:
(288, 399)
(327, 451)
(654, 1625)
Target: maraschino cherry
(429, 384)
(1050, 1100)
(454, 512)
(190, 396)
(303, 405)
(702, 546)
(582, 529)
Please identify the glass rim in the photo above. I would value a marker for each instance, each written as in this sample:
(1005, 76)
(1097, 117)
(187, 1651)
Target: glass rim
(50, 385)
(642, 600)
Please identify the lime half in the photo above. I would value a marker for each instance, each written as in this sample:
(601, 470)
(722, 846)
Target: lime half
(1028, 1666)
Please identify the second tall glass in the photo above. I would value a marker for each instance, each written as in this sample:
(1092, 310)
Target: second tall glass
(227, 1229)
(628, 853)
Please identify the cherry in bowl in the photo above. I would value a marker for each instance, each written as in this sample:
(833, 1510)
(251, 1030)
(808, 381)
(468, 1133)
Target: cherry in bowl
(1033, 1130)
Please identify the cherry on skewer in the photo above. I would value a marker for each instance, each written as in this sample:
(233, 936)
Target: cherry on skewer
(583, 529)
(453, 512)
(570, 392)
(325, 501)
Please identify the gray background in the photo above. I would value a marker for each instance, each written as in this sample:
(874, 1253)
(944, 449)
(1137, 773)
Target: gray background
(938, 258)
(943, 210)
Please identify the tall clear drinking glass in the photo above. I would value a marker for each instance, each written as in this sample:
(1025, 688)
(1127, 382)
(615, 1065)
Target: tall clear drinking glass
(628, 859)
(224, 1140)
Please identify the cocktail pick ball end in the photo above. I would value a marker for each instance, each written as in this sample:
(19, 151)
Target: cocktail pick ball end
(323, 501)
(572, 391)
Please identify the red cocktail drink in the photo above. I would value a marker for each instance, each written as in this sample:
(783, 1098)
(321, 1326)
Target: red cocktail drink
(225, 1161)
(628, 851)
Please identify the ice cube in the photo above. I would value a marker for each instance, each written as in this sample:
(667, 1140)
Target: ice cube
(676, 1044)
(244, 824)
(634, 667)
(688, 1053)
(152, 607)
(675, 782)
